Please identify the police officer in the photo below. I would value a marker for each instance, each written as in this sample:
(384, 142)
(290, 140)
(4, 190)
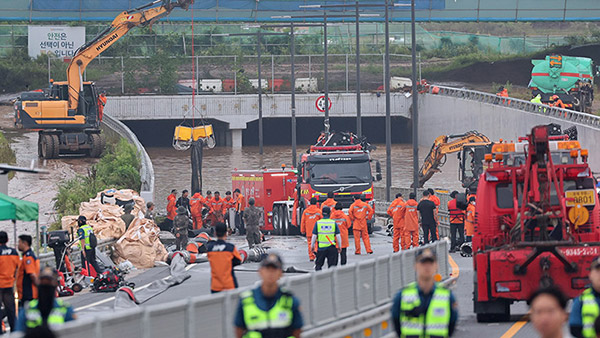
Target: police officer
(88, 252)
(326, 233)
(424, 308)
(252, 218)
(46, 312)
(268, 310)
(586, 307)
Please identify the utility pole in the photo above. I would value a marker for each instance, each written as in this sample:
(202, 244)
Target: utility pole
(415, 96)
(388, 118)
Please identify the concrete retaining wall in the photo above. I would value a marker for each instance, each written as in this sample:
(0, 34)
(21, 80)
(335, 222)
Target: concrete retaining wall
(439, 115)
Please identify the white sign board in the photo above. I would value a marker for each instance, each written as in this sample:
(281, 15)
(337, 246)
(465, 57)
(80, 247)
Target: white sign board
(58, 40)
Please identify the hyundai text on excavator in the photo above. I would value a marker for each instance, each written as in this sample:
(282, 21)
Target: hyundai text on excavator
(537, 222)
(447, 144)
(67, 117)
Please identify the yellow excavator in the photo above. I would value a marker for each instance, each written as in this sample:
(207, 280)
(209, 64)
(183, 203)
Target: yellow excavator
(447, 144)
(68, 117)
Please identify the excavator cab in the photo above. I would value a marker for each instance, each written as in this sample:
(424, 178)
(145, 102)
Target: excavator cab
(470, 161)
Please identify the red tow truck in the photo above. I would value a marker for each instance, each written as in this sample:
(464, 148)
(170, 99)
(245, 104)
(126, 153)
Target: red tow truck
(537, 222)
(338, 163)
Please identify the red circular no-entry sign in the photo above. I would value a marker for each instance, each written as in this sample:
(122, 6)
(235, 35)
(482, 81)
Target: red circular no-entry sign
(320, 103)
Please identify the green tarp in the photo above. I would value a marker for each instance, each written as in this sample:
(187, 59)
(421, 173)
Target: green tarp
(21, 210)
(7, 211)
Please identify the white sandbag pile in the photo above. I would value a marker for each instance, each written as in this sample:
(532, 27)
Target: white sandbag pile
(139, 244)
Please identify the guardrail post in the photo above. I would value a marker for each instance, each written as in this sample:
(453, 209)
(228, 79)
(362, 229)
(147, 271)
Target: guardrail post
(146, 324)
(190, 325)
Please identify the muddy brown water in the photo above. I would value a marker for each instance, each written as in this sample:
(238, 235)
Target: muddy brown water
(173, 169)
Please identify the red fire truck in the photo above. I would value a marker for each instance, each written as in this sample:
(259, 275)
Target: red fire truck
(537, 222)
(338, 163)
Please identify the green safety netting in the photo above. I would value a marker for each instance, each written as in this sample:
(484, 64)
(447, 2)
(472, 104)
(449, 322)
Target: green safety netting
(21, 210)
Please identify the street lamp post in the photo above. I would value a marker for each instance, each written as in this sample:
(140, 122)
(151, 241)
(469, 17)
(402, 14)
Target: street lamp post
(415, 97)
(388, 118)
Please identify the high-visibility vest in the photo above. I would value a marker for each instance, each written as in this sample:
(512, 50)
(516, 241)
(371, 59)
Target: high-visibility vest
(434, 323)
(456, 215)
(326, 232)
(275, 322)
(87, 230)
(589, 312)
(33, 315)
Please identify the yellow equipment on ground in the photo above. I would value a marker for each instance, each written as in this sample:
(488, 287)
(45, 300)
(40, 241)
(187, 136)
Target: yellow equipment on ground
(68, 118)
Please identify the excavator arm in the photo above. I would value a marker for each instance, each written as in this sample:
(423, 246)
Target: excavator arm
(141, 16)
(443, 145)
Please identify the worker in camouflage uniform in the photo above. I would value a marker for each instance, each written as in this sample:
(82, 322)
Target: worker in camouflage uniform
(252, 218)
(181, 223)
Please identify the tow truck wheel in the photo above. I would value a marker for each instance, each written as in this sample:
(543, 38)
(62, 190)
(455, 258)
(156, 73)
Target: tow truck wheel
(276, 221)
(285, 226)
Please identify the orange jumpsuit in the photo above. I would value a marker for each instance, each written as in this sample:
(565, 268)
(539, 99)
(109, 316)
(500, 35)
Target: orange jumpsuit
(470, 221)
(101, 104)
(196, 204)
(359, 213)
(411, 225)
(310, 216)
(171, 209)
(343, 222)
(330, 202)
(394, 206)
(240, 203)
(229, 203)
(216, 210)
(398, 215)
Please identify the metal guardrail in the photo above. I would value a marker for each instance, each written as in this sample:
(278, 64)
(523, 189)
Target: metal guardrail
(334, 303)
(47, 258)
(147, 170)
(526, 106)
(443, 215)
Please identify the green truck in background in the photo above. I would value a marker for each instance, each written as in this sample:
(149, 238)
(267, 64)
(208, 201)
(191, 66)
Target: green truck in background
(568, 78)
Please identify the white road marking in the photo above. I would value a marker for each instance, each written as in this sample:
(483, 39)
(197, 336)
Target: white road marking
(187, 268)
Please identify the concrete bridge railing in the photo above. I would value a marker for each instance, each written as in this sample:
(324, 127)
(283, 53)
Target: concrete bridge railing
(146, 170)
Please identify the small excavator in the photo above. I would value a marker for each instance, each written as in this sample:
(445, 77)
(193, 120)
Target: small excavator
(448, 144)
(68, 117)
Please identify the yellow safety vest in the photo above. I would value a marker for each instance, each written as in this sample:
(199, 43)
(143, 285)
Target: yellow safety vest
(326, 232)
(87, 230)
(34, 316)
(589, 312)
(274, 322)
(434, 323)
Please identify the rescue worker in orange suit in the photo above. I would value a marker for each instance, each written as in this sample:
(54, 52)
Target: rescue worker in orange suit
(101, 104)
(398, 214)
(470, 221)
(240, 205)
(9, 261)
(359, 213)
(171, 208)
(229, 203)
(457, 223)
(395, 204)
(310, 216)
(411, 223)
(216, 209)
(343, 222)
(196, 205)
(329, 202)
(222, 256)
(557, 102)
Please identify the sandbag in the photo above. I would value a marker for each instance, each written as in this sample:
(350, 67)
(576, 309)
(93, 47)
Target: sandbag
(125, 196)
(140, 244)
